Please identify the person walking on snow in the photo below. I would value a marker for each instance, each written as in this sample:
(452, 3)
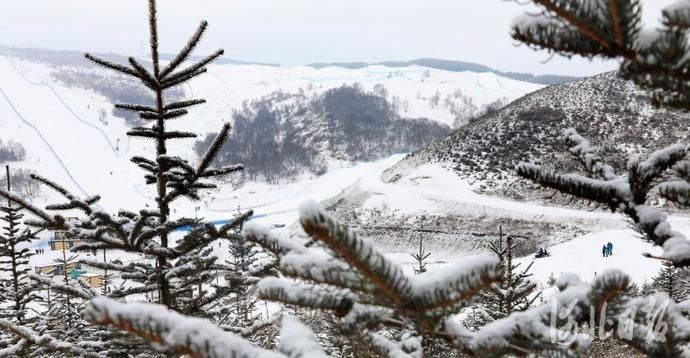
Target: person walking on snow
(603, 251)
(609, 246)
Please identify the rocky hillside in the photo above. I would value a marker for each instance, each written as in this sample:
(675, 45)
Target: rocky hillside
(615, 115)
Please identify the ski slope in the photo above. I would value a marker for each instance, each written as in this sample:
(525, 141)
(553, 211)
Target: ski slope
(60, 127)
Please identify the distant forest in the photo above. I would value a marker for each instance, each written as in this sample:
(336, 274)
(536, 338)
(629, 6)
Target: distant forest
(116, 88)
(287, 134)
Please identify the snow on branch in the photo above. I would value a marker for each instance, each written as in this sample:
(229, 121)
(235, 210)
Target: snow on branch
(582, 149)
(297, 340)
(76, 291)
(45, 341)
(655, 59)
(677, 15)
(302, 295)
(451, 287)
(14, 350)
(660, 160)
(317, 266)
(612, 193)
(46, 217)
(386, 275)
(172, 331)
(262, 235)
(677, 191)
(546, 328)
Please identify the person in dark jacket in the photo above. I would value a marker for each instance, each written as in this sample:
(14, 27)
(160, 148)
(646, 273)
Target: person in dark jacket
(603, 251)
(609, 247)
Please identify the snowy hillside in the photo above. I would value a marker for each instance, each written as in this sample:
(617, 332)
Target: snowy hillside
(62, 126)
(615, 115)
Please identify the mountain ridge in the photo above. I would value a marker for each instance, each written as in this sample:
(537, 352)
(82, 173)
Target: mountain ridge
(455, 66)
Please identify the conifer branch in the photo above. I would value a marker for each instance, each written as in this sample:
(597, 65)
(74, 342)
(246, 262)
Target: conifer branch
(46, 341)
(178, 334)
(269, 241)
(236, 222)
(360, 254)
(113, 66)
(213, 150)
(182, 78)
(153, 37)
(186, 51)
(677, 16)
(29, 207)
(626, 194)
(193, 70)
(300, 295)
(458, 284)
(183, 104)
(654, 60)
(69, 290)
(134, 107)
(144, 74)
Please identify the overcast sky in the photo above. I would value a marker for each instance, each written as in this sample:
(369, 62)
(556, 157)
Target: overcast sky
(292, 32)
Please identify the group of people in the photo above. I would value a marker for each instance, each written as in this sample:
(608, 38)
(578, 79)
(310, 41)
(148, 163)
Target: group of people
(541, 253)
(607, 250)
(40, 251)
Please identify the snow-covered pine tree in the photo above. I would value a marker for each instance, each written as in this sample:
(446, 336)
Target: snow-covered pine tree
(672, 281)
(240, 311)
(240, 304)
(420, 257)
(515, 292)
(657, 61)
(15, 240)
(177, 266)
(17, 290)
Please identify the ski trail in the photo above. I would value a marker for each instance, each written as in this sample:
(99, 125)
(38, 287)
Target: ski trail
(40, 135)
(479, 84)
(69, 109)
(498, 80)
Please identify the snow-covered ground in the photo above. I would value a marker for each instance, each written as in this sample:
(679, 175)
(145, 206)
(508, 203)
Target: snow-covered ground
(433, 190)
(65, 141)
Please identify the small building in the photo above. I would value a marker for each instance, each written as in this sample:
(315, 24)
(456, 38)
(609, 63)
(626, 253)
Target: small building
(60, 241)
(93, 279)
(54, 268)
(50, 263)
